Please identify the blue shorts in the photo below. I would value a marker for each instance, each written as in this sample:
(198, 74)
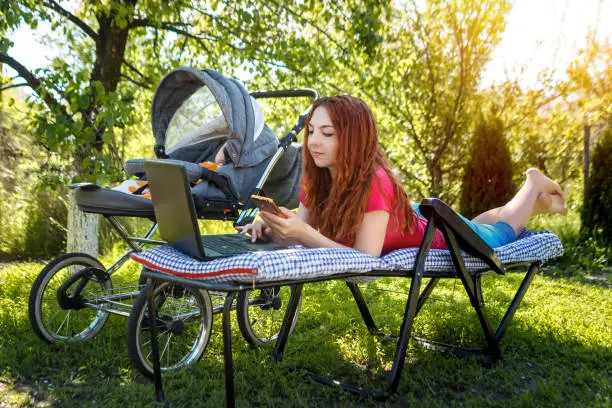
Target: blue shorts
(495, 235)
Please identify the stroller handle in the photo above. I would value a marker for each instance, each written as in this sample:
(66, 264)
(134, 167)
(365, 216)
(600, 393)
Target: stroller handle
(291, 137)
(287, 93)
(250, 210)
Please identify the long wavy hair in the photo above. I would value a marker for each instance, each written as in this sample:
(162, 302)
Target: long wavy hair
(337, 207)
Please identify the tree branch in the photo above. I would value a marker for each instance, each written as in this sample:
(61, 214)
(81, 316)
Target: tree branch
(536, 108)
(32, 81)
(311, 23)
(134, 69)
(135, 82)
(77, 21)
(13, 86)
(146, 22)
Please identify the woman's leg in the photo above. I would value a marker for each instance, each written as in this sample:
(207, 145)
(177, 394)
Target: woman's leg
(488, 217)
(545, 203)
(538, 195)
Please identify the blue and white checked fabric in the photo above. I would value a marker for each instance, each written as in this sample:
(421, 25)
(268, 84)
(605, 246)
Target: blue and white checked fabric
(304, 263)
(264, 266)
(529, 246)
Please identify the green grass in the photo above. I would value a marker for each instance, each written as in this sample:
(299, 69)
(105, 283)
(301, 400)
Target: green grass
(557, 351)
(585, 259)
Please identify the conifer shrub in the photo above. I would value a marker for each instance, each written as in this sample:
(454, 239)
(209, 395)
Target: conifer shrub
(597, 208)
(487, 179)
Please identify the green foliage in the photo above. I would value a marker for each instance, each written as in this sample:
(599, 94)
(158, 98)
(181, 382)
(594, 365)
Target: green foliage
(487, 178)
(591, 80)
(583, 257)
(596, 212)
(32, 216)
(45, 234)
(542, 130)
(434, 62)
(33, 223)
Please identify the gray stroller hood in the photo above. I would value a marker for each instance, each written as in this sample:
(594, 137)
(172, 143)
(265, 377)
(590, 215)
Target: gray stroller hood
(222, 111)
(194, 112)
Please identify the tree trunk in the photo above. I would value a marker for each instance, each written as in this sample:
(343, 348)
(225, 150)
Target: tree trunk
(110, 51)
(82, 229)
(587, 154)
(435, 190)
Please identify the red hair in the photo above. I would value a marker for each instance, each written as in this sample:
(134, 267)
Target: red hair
(337, 207)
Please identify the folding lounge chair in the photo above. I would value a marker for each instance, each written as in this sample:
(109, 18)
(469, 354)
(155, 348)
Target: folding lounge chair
(467, 258)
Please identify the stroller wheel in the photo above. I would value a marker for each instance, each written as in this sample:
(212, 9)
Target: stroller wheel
(260, 313)
(54, 321)
(184, 321)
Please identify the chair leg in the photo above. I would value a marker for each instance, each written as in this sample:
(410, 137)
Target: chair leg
(281, 341)
(426, 292)
(363, 307)
(516, 301)
(404, 335)
(227, 350)
(159, 392)
(473, 288)
(478, 304)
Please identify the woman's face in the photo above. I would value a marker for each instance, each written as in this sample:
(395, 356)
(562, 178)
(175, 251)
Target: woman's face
(322, 140)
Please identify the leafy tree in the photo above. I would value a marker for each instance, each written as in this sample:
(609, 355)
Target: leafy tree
(83, 100)
(487, 178)
(541, 129)
(590, 80)
(596, 214)
(31, 217)
(119, 49)
(418, 67)
(90, 100)
(436, 82)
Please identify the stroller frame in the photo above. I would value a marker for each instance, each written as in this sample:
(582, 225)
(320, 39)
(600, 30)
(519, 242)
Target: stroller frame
(458, 237)
(118, 300)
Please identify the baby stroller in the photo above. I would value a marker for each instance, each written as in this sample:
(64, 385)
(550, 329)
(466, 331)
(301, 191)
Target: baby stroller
(194, 114)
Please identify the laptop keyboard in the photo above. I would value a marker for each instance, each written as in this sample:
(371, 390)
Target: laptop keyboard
(234, 243)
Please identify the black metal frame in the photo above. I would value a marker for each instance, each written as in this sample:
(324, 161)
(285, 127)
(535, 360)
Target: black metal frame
(458, 237)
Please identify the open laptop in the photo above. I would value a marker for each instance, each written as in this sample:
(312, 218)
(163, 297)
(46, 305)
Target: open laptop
(177, 221)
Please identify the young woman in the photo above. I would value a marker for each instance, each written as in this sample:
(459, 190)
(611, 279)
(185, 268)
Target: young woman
(350, 197)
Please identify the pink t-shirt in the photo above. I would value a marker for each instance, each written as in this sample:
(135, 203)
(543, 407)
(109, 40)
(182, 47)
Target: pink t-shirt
(381, 198)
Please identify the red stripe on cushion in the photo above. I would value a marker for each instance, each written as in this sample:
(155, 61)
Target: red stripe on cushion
(234, 271)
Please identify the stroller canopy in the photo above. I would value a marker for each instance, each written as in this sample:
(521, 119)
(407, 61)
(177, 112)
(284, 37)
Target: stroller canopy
(193, 114)
(195, 111)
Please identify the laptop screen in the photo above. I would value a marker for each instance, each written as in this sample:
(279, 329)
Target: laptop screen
(174, 207)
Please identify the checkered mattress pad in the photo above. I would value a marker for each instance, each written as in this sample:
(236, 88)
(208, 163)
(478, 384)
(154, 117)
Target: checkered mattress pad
(301, 263)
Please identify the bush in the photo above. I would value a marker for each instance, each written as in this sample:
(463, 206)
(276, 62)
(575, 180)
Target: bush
(32, 215)
(487, 179)
(581, 256)
(596, 213)
(45, 231)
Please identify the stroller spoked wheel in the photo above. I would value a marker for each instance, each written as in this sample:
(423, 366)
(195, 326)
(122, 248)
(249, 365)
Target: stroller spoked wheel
(183, 323)
(260, 313)
(67, 299)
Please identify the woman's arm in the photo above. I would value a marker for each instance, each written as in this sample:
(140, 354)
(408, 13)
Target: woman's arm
(370, 236)
(259, 230)
(294, 229)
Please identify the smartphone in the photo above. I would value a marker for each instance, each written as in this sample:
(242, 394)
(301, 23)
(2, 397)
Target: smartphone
(268, 205)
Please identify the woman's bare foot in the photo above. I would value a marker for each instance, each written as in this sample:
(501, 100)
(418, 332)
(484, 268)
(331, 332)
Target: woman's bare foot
(558, 204)
(543, 183)
(549, 203)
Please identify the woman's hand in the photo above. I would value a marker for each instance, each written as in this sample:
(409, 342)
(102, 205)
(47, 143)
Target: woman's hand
(258, 231)
(286, 231)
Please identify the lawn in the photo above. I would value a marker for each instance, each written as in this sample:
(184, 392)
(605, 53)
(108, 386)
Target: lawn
(557, 351)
